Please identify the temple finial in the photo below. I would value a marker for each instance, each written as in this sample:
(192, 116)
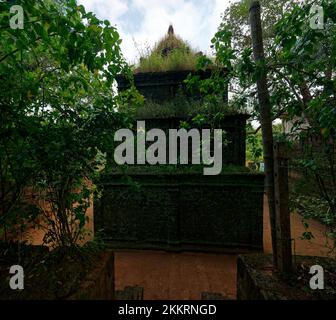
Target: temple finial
(170, 30)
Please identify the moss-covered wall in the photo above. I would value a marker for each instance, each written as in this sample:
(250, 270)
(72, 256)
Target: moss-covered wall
(234, 127)
(235, 134)
(182, 211)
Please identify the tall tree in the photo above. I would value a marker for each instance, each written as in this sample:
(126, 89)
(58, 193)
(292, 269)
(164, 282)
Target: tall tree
(265, 116)
(57, 109)
(300, 64)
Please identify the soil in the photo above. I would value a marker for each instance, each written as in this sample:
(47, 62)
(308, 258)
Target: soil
(47, 274)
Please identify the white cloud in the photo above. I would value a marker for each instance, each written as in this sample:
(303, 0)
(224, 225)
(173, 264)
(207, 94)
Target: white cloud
(194, 20)
(106, 9)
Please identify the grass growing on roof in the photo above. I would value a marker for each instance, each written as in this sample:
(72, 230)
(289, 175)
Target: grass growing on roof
(170, 53)
(177, 60)
(183, 106)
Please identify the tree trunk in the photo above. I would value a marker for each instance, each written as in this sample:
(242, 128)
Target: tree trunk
(266, 117)
(281, 192)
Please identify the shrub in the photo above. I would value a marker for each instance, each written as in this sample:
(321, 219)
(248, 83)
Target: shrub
(314, 189)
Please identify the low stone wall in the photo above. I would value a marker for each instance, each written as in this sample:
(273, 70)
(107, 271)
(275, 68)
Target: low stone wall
(182, 211)
(257, 279)
(99, 283)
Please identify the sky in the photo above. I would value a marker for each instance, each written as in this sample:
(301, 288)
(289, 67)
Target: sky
(141, 23)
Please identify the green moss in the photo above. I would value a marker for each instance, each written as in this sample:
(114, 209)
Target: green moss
(172, 169)
(174, 108)
(184, 106)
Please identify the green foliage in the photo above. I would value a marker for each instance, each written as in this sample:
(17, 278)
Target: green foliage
(57, 111)
(170, 53)
(199, 111)
(300, 63)
(176, 60)
(306, 59)
(130, 101)
(313, 193)
(254, 148)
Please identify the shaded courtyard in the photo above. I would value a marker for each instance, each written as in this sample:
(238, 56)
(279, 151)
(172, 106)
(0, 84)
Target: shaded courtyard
(186, 275)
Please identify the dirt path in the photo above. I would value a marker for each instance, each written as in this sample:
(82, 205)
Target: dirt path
(179, 276)
(315, 247)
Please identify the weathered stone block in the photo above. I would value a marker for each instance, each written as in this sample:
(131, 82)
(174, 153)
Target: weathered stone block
(182, 212)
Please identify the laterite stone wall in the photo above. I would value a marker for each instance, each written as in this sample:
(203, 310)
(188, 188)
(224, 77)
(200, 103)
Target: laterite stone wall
(182, 212)
(99, 283)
